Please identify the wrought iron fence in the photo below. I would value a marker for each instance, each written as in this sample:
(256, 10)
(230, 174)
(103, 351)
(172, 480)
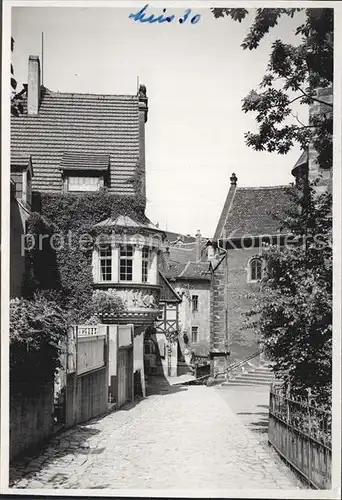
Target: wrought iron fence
(300, 431)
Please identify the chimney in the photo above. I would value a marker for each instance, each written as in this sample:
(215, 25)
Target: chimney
(33, 85)
(198, 245)
(233, 180)
(143, 110)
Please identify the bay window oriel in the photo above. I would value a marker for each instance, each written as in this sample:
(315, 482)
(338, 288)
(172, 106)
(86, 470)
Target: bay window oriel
(125, 263)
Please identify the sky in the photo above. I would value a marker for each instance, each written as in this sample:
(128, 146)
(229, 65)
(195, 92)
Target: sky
(196, 76)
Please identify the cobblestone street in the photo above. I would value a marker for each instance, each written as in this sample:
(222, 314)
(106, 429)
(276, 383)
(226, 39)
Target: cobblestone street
(186, 438)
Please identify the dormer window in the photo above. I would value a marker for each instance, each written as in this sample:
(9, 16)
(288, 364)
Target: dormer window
(84, 172)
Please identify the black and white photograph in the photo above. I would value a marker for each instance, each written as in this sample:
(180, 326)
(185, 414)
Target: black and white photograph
(171, 249)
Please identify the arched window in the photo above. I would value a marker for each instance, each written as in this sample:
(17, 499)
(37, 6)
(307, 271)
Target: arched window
(255, 269)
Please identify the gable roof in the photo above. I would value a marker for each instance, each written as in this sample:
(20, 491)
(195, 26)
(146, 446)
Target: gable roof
(167, 293)
(80, 125)
(254, 211)
(22, 162)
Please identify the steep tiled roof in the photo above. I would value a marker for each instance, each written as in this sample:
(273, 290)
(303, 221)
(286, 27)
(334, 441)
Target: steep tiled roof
(182, 255)
(181, 264)
(172, 269)
(172, 237)
(256, 211)
(193, 270)
(79, 124)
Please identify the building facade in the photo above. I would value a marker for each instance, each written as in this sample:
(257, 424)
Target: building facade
(186, 266)
(252, 217)
(86, 147)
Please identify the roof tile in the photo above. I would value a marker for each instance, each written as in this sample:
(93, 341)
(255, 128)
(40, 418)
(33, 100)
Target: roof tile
(79, 124)
(257, 211)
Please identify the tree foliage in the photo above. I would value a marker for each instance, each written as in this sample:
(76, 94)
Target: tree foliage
(101, 303)
(295, 72)
(293, 314)
(17, 106)
(36, 328)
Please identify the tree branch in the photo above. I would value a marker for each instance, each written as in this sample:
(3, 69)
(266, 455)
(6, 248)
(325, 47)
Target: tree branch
(298, 120)
(315, 99)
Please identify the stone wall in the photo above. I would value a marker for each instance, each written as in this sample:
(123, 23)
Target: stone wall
(242, 340)
(31, 420)
(230, 302)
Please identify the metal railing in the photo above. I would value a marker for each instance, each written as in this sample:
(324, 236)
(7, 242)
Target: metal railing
(238, 364)
(235, 366)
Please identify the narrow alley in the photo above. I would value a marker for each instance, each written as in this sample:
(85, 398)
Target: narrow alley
(187, 437)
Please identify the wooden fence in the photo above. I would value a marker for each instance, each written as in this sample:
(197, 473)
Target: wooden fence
(87, 373)
(90, 353)
(301, 433)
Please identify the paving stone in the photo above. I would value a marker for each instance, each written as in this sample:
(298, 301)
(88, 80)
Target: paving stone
(187, 439)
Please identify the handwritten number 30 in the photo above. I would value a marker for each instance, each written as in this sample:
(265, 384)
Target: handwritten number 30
(187, 13)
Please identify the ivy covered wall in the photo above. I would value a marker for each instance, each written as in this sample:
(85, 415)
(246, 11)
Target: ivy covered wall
(62, 264)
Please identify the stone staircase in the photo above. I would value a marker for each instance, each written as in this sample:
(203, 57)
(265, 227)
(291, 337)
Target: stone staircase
(257, 375)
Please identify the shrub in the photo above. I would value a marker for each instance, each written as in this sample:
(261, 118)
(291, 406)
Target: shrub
(37, 328)
(101, 303)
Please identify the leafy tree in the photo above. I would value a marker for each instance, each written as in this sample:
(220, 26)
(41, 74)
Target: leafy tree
(17, 106)
(294, 73)
(293, 314)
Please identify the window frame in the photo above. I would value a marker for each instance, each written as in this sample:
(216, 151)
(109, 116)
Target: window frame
(145, 264)
(250, 270)
(126, 259)
(125, 269)
(105, 258)
(99, 183)
(194, 302)
(196, 328)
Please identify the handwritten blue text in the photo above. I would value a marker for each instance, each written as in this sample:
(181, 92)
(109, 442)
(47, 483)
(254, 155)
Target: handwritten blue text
(142, 17)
